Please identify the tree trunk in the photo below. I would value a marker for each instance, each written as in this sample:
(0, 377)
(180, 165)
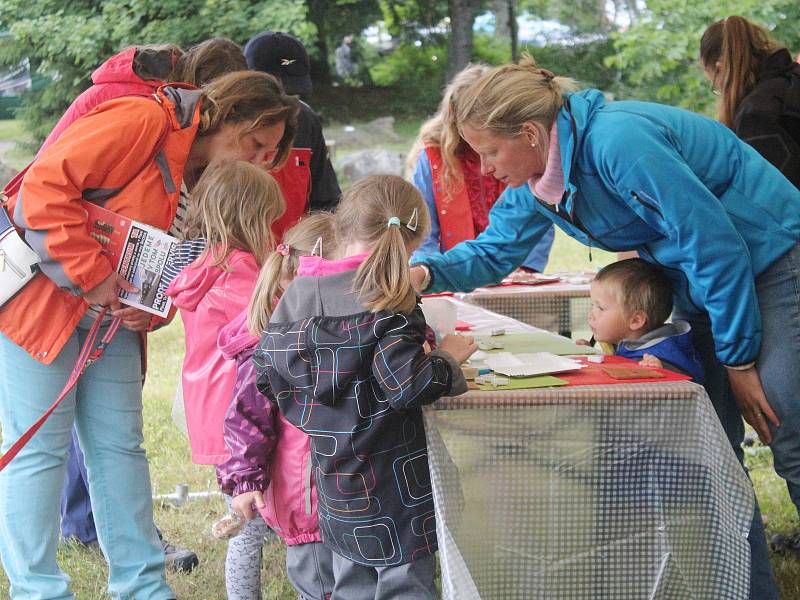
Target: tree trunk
(514, 29)
(502, 13)
(320, 66)
(462, 16)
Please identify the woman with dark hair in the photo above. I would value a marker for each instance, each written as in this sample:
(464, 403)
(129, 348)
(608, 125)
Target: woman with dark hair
(759, 88)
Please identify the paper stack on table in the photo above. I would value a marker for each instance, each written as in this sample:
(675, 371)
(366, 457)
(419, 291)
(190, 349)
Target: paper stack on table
(528, 365)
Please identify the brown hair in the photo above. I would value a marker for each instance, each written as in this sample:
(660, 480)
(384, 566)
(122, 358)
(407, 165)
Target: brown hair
(233, 206)
(208, 60)
(386, 213)
(156, 61)
(299, 240)
(640, 286)
(441, 131)
(741, 48)
(250, 97)
(508, 96)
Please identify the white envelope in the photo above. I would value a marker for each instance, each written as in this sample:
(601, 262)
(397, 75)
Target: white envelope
(528, 365)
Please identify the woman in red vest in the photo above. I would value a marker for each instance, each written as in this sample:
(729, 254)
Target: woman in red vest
(447, 173)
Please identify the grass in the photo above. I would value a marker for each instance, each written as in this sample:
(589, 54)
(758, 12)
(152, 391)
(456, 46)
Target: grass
(188, 525)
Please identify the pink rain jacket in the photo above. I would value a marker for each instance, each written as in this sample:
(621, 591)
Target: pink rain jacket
(267, 453)
(208, 299)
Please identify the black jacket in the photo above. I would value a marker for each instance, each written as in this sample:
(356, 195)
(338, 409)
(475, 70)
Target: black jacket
(325, 192)
(355, 381)
(768, 118)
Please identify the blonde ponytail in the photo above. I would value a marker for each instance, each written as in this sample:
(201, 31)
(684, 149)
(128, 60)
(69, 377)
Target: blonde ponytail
(387, 214)
(281, 265)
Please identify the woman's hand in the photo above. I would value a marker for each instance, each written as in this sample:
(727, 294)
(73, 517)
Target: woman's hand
(418, 276)
(133, 319)
(460, 347)
(106, 293)
(752, 401)
(247, 503)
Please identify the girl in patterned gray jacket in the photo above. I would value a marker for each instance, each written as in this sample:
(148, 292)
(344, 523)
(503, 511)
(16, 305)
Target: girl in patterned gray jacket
(344, 357)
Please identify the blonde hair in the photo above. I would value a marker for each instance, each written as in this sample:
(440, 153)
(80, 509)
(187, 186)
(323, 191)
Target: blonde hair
(383, 281)
(208, 60)
(299, 240)
(249, 97)
(508, 96)
(233, 206)
(441, 131)
(741, 47)
(639, 286)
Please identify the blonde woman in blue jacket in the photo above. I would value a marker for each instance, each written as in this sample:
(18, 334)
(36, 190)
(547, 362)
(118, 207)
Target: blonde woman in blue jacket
(684, 192)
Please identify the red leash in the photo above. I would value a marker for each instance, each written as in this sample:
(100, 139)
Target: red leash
(88, 355)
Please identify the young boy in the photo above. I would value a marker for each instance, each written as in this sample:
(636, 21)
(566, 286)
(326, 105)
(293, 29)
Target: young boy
(631, 300)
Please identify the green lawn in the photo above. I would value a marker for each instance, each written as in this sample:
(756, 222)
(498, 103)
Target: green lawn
(188, 525)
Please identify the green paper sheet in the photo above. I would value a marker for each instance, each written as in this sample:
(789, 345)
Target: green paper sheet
(525, 383)
(524, 343)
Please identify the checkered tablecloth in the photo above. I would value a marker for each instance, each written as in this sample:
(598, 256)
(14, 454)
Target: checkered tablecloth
(598, 493)
(558, 307)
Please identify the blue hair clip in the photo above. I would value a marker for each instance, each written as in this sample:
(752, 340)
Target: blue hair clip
(393, 221)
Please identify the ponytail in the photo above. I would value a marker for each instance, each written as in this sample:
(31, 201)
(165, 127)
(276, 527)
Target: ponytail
(387, 214)
(266, 291)
(281, 265)
(735, 50)
(383, 281)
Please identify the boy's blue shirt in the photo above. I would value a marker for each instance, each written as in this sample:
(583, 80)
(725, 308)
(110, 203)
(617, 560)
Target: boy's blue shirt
(671, 344)
(679, 188)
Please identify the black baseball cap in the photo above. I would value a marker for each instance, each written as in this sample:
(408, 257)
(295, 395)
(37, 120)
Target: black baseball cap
(283, 56)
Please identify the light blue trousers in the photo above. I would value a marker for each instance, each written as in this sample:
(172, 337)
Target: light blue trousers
(106, 407)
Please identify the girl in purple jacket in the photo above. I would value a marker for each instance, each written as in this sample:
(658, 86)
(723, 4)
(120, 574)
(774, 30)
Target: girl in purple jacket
(269, 471)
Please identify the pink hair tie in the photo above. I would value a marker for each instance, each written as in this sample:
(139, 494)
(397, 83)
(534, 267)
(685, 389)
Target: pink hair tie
(282, 249)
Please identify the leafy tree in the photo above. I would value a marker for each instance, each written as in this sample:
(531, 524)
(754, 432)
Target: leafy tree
(659, 53)
(66, 41)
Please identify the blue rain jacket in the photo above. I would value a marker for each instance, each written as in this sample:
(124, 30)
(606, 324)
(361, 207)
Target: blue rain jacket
(679, 188)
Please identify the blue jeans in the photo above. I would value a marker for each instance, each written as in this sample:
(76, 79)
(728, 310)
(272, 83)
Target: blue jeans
(106, 408)
(77, 518)
(778, 290)
(779, 362)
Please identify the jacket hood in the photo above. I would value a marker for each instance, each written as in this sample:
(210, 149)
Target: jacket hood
(192, 284)
(651, 338)
(671, 343)
(777, 64)
(235, 338)
(119, 69)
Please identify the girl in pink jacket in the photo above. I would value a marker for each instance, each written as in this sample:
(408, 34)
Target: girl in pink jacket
(230, 211)
(269, 468)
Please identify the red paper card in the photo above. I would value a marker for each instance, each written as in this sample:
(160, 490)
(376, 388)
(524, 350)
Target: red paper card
(593, 373)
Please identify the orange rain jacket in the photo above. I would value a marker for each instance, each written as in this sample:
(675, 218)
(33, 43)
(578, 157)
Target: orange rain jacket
(127, 154)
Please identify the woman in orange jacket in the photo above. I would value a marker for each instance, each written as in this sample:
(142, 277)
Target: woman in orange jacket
(131, 155)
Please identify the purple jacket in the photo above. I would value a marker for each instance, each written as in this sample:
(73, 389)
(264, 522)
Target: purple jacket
(267, 453)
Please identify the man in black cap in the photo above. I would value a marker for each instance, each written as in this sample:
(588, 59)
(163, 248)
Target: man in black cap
(285, 57)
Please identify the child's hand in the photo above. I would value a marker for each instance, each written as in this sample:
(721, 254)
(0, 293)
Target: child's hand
(648, 360)
(243, 504)
(582, 342)
(460, 347)
(427, 347)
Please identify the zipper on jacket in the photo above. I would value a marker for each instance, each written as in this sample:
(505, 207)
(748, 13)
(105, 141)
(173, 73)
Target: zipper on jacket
(5, 261)
(647, 204)
(307, 480)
